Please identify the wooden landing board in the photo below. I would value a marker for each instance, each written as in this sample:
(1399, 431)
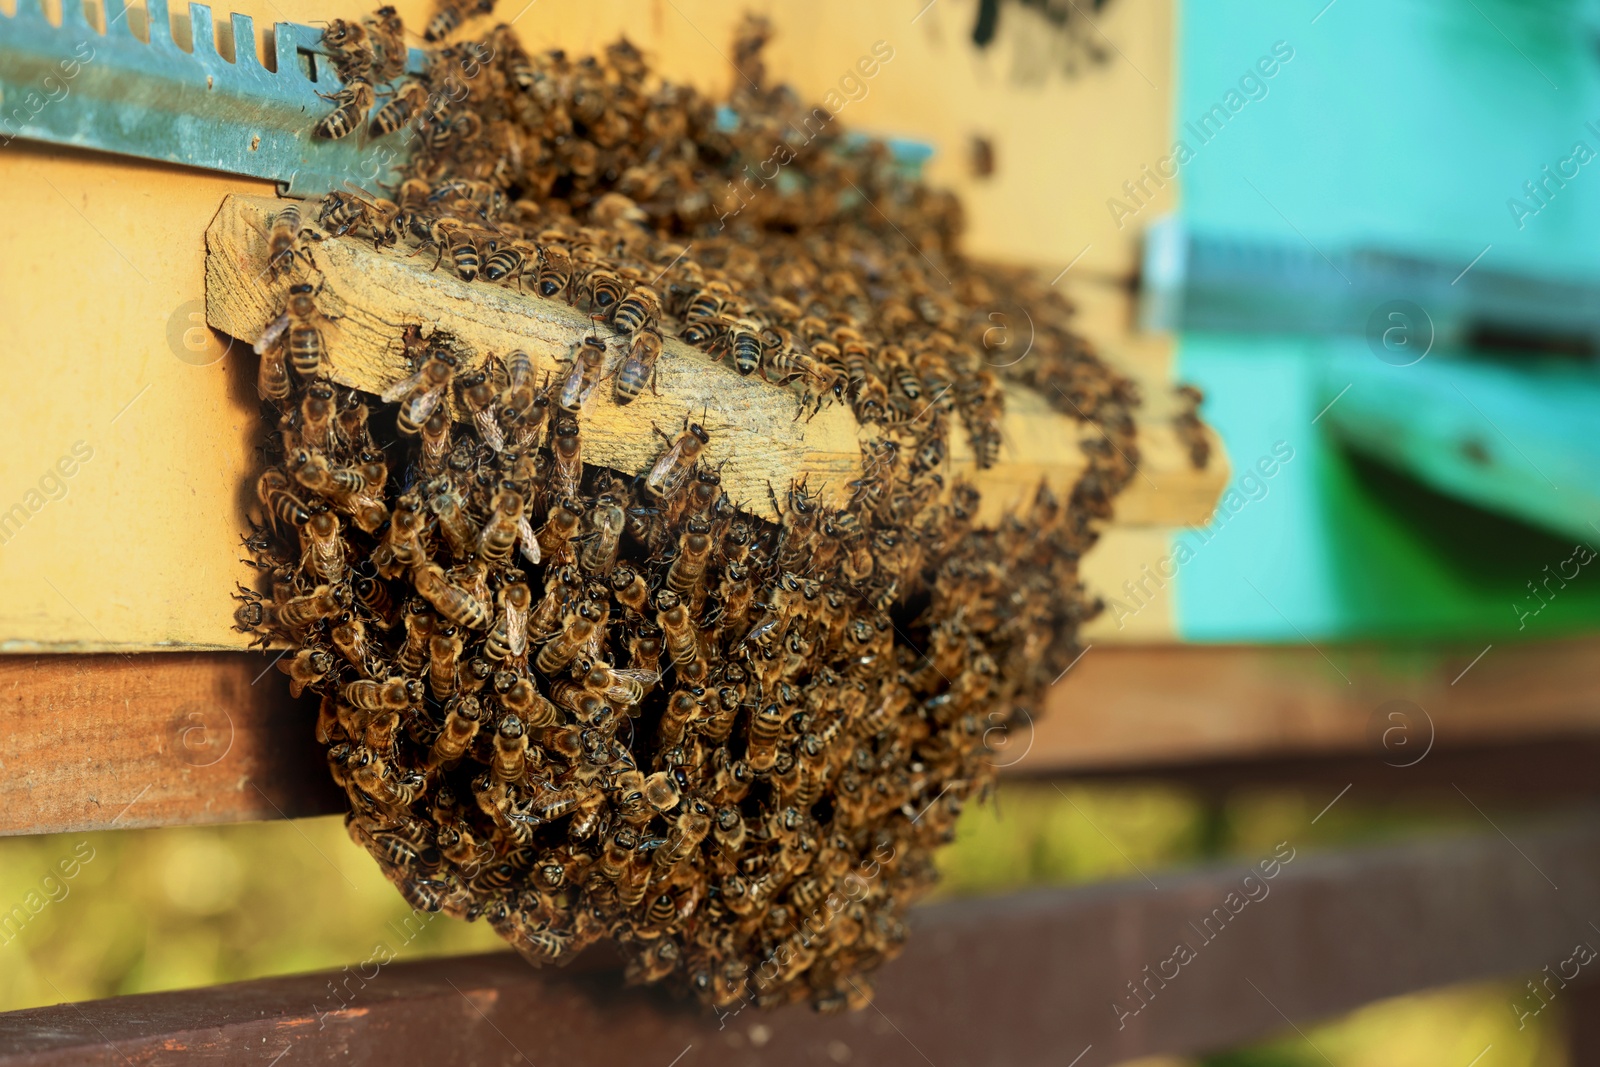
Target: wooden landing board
(1029, 979)
(153, 740)
(372, 296)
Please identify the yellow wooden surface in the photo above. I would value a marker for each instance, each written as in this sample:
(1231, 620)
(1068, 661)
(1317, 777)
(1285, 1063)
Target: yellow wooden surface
(103, 275)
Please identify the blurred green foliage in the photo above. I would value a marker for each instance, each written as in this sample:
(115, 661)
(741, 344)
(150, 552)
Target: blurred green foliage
(184, 907)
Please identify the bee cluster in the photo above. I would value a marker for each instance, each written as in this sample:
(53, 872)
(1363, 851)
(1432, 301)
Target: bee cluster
(582, 704)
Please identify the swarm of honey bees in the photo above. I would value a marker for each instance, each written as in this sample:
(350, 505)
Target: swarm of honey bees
(582, 703)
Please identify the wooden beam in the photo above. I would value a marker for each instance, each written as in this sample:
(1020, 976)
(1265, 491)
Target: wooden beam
(180, 738)
(1176, 704)
(154, 740)
(371, 296)
(1031, 978)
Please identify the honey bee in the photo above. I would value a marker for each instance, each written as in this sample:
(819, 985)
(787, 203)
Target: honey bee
(686, 576)
(272, 376)
(450, 601)
(322, 548)
(318, 412)
(564, 647)
(639, 310)
(560, 529)
(744, 339)
(347, 44)
(444, 655)
(797, 534)
(625, 687)
(568, 449)
(523, 698)
(307, 349)
(420, 394)
(403, 542)
(500, 532)
(508, 640)
(584, 375)
(604, 290)
(605, 522)
(766, 728)
(312, 470)
(387, 34)
(508, 260)
(306, 668)
(616, 856)
(662, 792)
(463, 716)
(351, 104)
(555, 272)
(510, 760)
(435, 442)
(275, 494)
(393, 694)
(284, 243)
(450, 16)
(374, 596)
(708, 301)
(419, 625)
(639, 368)
(689, 829)
(731, 779)
(630, 589)
(680, 457)
(682, 709)
(519, 394)
(404, 106)
(450, 509)
(673, 618)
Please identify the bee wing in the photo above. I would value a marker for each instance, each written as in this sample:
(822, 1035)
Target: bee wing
(489, 430)
(622, 694)
(664, 465)
(424, 404)
(401, 389)
(572, 392)
(528, 541)
(270, 335)
(517, 631)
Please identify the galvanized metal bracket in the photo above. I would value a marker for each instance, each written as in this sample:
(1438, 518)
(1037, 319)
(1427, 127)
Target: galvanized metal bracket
(70, 85)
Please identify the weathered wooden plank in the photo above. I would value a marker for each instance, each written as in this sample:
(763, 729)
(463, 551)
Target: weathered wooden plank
(163, 739)
(1086, 976)
(1127, 707)
(154, 740)
(371, 296)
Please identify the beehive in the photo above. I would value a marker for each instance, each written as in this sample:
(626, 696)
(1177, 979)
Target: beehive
(586, 682)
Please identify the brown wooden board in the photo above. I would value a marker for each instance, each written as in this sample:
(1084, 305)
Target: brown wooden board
(372, 296)
(1033, 978)
(1132, 707)
(156, 739)
(181, 738)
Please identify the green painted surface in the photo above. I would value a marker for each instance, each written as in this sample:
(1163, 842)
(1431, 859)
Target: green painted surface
(1406, 124)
